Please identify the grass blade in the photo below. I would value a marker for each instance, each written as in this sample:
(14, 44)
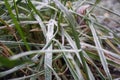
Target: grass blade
(48, 55)
(72, 23)
(101, 53)
(16, 23)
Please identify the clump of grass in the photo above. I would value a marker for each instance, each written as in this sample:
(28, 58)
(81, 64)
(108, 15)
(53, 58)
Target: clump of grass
(42, 40)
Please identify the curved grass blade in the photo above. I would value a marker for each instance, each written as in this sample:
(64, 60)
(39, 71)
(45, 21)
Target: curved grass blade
(40, 52)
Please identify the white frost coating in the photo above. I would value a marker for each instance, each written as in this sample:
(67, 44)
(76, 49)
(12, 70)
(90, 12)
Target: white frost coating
(48, 55)
(41, 24)
(46, 1)
(50, 25)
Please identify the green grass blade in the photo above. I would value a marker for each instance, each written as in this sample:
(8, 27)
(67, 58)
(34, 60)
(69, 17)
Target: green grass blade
(38, 17)
(16, 9)
(16, 23)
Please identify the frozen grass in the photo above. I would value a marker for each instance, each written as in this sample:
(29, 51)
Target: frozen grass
(42, 40)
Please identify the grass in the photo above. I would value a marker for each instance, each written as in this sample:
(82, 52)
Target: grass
(42, 40)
